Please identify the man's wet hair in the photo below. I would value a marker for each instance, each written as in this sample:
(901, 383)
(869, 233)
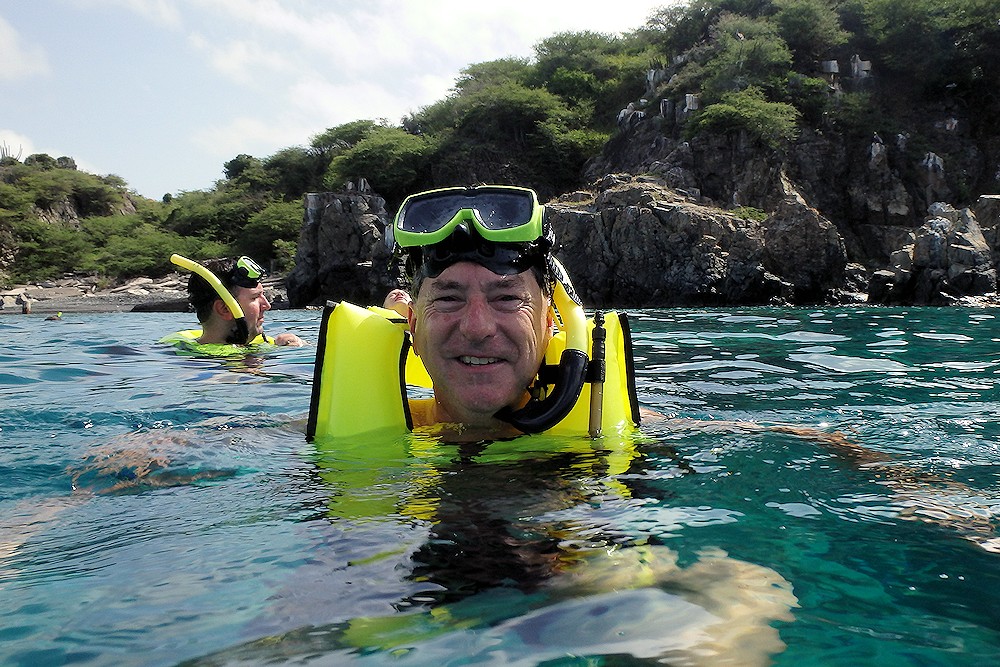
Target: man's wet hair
(201, 294)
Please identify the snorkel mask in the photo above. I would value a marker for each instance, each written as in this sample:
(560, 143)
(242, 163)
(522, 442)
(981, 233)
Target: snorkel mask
(501, 228)
(245, 273)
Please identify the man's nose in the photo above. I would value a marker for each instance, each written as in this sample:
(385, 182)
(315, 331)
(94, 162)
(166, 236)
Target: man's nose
(478, 321)
(266, 305)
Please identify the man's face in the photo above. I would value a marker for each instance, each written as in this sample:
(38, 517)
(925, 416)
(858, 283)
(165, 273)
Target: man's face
(254, 305)
(481, 337)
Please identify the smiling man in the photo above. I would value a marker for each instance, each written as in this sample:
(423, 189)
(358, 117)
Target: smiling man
(481, 337)
(481, 316)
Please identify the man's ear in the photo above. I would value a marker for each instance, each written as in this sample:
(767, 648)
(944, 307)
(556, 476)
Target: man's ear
(221, 309)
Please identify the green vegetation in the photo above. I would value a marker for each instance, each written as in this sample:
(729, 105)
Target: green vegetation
(750, 213)
(773, 123)
(533, 122)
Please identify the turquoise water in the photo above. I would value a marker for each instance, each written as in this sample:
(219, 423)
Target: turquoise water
(160, 509)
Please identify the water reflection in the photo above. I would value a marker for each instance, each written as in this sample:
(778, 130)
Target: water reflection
(519, 557)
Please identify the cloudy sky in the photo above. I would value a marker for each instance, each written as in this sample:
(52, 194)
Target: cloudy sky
(164, 92)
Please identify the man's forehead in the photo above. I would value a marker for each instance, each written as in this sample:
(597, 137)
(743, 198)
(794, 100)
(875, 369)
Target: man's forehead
(467, 274)
(251, 291)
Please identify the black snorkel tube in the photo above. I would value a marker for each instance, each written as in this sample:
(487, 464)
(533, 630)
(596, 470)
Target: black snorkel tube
(242, 333)
(540, 414)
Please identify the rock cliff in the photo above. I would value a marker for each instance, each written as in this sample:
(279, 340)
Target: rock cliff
(342, 254)
(723, 220)
(628, 241)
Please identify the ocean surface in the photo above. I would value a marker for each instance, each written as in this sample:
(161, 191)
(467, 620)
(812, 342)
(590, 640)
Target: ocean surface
(824, 491)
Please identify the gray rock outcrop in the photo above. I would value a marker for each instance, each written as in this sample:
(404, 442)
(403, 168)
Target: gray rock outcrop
(342, 253)
(627, 242)
(947, 259)
(635, 242)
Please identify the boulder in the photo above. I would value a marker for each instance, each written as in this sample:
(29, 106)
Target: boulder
(638, 243)
(342, 253)
(805, 249)
(949, 259)
(987, 212)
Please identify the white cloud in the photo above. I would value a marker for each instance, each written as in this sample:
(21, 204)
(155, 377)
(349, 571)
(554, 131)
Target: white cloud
(242, 61)
(15, 144)
(19, 146)
(17, 60)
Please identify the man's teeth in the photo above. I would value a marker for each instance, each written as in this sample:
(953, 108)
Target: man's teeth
(478, 361)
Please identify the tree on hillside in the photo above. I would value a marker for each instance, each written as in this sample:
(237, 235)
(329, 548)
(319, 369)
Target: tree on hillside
(747, 52)
(295, 170)
(344, 136)
(219, 215)
(246, 170)
(773, 123)
(495, 72)
(40, 161)
(279, 221)
(511, 133)
(390, 158)
(88, 194)
(941, 47)
(597, 74)
(675, 29)
(583, 51)
(811, 28)
(45, 250)
(442, 116)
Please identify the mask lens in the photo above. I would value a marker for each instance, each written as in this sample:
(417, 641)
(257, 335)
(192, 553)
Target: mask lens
(430, 214)
(503, 211)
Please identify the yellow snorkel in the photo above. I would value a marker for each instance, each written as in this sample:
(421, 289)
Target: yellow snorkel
(242, 331)
(540, 414)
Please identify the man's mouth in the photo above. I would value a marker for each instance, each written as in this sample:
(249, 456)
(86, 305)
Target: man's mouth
(478, 361)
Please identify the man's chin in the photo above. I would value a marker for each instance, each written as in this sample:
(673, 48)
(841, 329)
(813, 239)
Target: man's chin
(483, 409)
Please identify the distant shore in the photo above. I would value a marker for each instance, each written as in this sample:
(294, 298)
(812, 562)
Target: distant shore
(85, 295)
(169, 295)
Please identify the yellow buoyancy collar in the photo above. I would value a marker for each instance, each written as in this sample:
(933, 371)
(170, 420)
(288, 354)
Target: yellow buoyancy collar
(364, 364)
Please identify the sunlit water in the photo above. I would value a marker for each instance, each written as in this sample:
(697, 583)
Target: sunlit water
(161, 509)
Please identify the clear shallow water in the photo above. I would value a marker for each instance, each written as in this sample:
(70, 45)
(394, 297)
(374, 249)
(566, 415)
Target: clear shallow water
(700, 543)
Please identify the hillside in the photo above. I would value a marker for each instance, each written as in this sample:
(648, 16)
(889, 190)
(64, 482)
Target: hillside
(865, 110)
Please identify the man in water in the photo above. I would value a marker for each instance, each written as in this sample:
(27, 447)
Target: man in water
(483, 280)
(242, 277)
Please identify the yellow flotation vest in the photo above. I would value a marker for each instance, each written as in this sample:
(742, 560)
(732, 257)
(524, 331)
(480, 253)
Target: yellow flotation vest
(188, 341)
(364, 364)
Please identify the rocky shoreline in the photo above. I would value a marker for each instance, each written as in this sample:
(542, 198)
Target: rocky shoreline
(87, 294)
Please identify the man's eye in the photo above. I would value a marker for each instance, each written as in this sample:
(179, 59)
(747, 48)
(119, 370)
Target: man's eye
(447, 302)
(508, 301)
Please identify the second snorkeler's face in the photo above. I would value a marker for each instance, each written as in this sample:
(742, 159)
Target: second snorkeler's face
(254, 304)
